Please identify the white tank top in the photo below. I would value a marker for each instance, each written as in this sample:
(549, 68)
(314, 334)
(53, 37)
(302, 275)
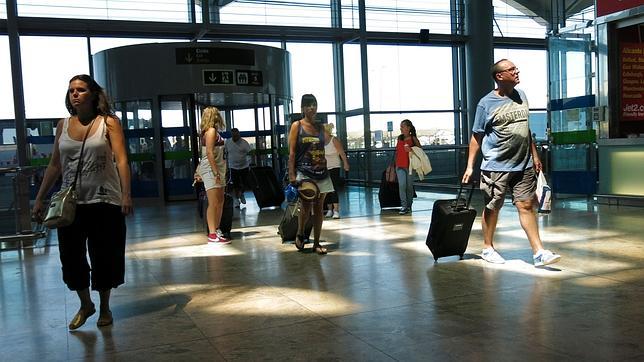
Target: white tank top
(98, 180)
(332, 156)
(219, 155)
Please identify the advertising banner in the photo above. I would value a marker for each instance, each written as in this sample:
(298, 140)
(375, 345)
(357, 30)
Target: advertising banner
(605, 7)
(632, 84)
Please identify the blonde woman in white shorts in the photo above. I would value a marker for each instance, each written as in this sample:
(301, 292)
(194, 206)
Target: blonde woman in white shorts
(212, 170)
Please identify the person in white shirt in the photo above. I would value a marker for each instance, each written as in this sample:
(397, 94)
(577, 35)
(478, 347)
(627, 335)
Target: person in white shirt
(237, 150)
(334, 153)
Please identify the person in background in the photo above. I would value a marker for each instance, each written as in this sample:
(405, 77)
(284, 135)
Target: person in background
(103, 197)
(334, 153)
(237, 150)
(306, 140)
(406, 140)
(510, 158)
(212, 171)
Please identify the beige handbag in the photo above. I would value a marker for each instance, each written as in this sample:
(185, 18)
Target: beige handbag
(62, 206)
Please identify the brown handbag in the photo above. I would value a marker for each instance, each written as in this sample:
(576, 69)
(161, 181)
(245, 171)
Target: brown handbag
(390, 173)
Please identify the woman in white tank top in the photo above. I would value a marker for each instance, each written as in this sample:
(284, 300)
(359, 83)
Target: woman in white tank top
(334, 153)
(103, 188)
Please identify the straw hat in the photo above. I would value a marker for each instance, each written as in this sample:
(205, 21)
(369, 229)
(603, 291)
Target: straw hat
(308, 190)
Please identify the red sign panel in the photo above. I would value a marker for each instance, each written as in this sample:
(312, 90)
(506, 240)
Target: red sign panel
(605, 7)
(632, 85)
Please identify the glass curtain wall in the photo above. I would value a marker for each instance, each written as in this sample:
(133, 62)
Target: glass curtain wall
(142, 10)
(45, 89)
(408, 16)
(6, 89)
(513, 22)
(404, 81)
(311, 13)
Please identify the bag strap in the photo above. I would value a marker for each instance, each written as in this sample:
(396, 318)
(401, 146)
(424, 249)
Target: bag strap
(529, 149)
(80, 158)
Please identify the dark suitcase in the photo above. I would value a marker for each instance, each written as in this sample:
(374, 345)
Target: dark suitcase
(226, 222)
(267, 190)
(451, 226)
(388, 195)
(287, 229)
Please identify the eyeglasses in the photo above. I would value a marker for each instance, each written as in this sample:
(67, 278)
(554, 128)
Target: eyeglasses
(511, 70)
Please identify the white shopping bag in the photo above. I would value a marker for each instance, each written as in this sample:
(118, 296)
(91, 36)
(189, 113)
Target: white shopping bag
(544, 194)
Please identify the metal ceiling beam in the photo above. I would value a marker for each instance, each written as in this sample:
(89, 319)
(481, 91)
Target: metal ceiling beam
(187, 31)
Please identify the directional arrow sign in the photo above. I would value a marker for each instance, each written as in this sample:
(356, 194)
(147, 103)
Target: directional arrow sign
(218, 77)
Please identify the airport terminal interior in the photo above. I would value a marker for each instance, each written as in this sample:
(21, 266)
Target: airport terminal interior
(379, 294)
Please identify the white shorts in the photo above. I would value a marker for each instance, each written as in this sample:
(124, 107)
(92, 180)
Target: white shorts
(325, 185)
(208, 177)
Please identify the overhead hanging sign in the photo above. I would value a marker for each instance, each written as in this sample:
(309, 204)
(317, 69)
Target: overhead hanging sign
(605, 7)
(211, 55)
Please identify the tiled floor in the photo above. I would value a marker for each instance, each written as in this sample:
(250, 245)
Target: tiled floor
(378, 295)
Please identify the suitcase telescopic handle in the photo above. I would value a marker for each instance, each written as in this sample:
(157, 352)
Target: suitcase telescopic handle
(469, 198)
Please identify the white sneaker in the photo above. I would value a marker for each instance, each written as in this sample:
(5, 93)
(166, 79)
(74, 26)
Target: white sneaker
(491, 256)
(329, 213)
(336, 215)
(545, 257)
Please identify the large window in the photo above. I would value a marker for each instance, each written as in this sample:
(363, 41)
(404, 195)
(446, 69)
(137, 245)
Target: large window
(46, 72)
(355, 132)
(533, 74)
(6, 88)
(312, 72)
(408, 15)
(314, 13)
(410, 78)
(142, 10)
(352, 76)
(517, 22)
(3, 9)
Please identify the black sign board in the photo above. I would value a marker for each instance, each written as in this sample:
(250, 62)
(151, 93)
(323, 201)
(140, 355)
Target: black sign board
(218, 77)
(230, 77)
(249, 77)
(230, 56)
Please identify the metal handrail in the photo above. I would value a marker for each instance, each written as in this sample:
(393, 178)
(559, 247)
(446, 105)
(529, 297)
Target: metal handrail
(25, 229)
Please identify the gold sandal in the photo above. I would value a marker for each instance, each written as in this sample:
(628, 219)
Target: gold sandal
(80, 318)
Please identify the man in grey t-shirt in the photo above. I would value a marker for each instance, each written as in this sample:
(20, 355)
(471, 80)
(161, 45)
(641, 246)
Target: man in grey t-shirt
(502, 133)
(237, 155)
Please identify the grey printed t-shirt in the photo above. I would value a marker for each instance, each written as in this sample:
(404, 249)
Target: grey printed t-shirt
(506, 133)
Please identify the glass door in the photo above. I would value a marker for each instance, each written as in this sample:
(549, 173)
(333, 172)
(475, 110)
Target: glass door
(136, 118)
(177, 128)
(571, 102)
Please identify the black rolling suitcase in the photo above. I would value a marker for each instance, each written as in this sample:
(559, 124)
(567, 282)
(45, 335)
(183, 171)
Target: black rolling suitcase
(451, 226)
(388, 195)
(287, 228)
(226, 222)
(268, 192)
